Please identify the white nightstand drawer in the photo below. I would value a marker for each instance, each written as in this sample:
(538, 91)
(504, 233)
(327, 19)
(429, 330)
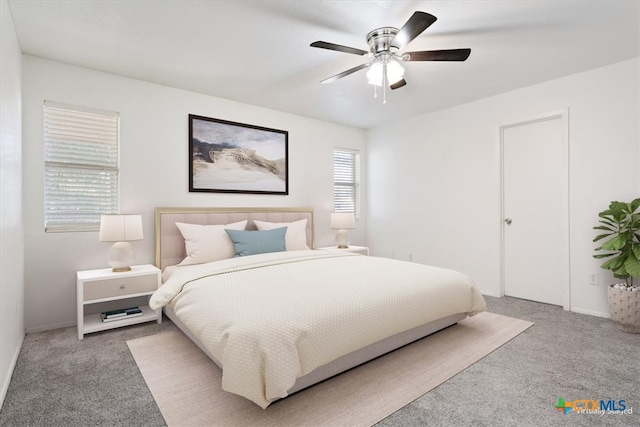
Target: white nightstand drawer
(107, 288)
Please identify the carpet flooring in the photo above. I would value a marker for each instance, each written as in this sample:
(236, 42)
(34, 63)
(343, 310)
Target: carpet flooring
(191, 395)
(61, 381)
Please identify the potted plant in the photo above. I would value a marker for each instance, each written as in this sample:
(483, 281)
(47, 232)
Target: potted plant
(621, 226)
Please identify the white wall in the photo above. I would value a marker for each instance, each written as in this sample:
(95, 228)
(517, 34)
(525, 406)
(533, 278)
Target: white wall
(434, 181)
(154, 171)
(11, 223)
(434, 186)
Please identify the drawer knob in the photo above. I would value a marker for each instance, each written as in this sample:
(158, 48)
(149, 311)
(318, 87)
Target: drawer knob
(121, 286)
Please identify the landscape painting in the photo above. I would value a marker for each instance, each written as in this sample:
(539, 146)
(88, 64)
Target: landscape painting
(229, 157)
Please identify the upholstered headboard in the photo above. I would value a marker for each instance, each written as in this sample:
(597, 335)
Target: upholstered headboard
(170, 248)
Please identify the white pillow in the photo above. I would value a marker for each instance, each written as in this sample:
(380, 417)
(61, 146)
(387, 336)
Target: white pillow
(296, 236)
(206, 243)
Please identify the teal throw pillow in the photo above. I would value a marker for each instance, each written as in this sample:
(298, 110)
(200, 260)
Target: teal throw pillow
(258, 242)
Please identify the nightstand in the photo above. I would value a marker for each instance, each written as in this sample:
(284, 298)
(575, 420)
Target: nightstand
(103, 285)
(358, 249)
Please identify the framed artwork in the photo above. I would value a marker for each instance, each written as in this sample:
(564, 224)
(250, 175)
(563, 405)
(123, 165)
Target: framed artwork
(229, 157)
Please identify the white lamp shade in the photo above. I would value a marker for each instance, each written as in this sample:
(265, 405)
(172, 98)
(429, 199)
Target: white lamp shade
(394, 72)
(120, 228)
(393, 69)
(374, 75)
(343, 220)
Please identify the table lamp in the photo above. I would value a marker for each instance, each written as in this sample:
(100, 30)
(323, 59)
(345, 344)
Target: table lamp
(342, 221)
(120, 229)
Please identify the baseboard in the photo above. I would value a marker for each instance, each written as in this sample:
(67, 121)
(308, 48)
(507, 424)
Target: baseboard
(33, 330)
(12, 366)
(590, 312)
(490, 294)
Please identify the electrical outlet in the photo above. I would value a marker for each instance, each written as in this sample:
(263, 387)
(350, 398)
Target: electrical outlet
(411, 257)
(594, 279)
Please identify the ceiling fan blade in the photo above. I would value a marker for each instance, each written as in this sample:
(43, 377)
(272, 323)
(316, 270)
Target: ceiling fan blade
(438, 55)
(338, 47)
(398, 84)
(345, 73)
(418, 22)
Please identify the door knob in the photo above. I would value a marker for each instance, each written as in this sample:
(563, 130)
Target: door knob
(508, 221)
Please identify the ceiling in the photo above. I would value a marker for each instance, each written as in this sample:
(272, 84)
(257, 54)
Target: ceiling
(257, 52)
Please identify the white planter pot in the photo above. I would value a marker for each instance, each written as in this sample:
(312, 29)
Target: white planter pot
(624, 307)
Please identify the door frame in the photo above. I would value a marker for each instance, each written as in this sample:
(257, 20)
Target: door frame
(563, 115)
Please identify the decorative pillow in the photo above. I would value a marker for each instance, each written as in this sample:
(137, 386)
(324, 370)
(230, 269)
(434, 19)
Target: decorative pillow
(296, 237)
(258, 242)
(206, 243)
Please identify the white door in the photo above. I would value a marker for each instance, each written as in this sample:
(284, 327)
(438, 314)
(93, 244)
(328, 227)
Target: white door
(535, 210)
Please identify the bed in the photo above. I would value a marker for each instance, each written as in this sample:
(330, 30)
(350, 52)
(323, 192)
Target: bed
(284, 316)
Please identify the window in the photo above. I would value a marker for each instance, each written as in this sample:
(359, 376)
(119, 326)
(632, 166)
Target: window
(346, 181)
(80, 167)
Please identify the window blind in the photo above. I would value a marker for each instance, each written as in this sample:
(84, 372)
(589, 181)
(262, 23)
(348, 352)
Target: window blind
(81, 167)
(346, 177)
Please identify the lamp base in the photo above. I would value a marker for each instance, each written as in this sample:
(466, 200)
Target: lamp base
(121, 256)
(342, 239)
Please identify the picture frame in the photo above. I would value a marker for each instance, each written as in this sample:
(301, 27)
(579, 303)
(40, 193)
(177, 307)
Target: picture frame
(231, 157)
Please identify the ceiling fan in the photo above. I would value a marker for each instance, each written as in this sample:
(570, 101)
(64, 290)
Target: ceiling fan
(385, 43)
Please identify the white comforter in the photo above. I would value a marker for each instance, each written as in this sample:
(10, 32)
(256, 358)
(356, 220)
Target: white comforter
(272, 318)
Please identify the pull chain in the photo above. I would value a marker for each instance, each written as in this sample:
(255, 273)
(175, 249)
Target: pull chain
(384, 84)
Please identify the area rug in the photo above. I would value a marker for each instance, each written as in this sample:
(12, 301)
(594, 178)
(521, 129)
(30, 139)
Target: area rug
(186, 384)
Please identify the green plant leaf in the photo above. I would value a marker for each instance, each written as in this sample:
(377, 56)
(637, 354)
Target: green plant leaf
(617, 242)
(610, 221)
(632, 266)
(617, 208)
(620, 272)
(607, 216)
(619, 227)
(601, 236)
(614, 263)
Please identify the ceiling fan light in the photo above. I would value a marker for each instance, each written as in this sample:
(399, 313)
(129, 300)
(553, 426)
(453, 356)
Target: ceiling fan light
(374, 75)
(394, 72)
